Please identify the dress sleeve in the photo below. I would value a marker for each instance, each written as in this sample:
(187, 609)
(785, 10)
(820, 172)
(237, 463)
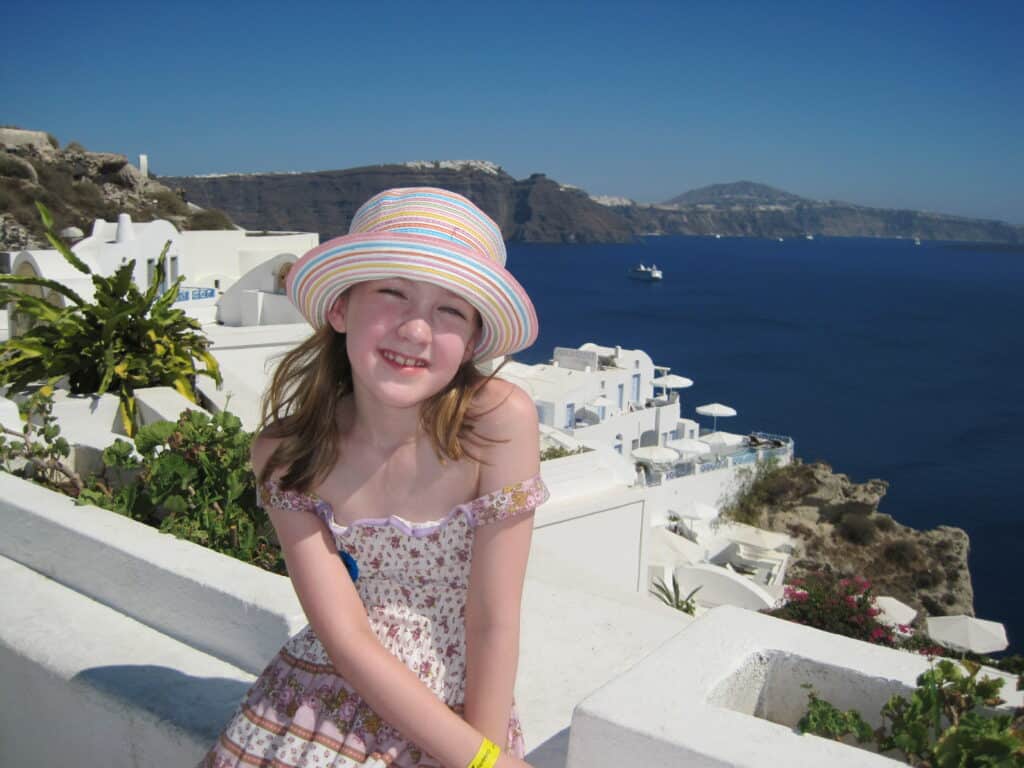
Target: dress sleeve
(517, 499)
(270, 494)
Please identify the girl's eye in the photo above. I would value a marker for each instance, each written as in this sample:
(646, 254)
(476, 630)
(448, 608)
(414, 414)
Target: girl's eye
(392, 292)
(454, 311)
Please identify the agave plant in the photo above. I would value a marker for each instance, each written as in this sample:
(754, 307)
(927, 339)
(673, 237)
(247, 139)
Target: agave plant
(124, 339)
(673, 597)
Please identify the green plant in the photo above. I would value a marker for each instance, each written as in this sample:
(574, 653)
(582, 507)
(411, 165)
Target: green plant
(122, 340)
(558, 452)
(38, 452)
(939, 726)
(211, 218)
(192, 478)
(857, 529)
(824, 719)
(901, 552)
(766, 488)
(673, 597)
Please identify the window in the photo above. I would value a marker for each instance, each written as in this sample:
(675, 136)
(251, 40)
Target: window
(636, 443)
(636, 388)
(622, 394)
(570, 415)
(601, 412)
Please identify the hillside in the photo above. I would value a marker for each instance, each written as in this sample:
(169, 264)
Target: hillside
(535, 209)
(79, 186)
(538, 209)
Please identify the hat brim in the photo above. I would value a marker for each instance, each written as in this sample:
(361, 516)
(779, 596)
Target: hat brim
(509, 319)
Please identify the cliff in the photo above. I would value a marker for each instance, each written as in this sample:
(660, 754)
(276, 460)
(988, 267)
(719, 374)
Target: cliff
(78, 187)
(538, 209)
(535, 209)
(838, 528)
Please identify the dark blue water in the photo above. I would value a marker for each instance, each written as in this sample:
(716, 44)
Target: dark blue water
(884, 359)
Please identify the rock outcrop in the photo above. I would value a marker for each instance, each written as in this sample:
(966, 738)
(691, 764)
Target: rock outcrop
(78, 187)
(839, 528)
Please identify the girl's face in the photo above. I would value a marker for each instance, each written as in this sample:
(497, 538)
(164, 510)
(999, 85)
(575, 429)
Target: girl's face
(405, 339)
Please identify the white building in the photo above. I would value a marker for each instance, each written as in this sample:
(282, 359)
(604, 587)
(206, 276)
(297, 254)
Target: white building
(232, 276)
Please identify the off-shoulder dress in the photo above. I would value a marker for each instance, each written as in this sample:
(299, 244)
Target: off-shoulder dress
(413, 580)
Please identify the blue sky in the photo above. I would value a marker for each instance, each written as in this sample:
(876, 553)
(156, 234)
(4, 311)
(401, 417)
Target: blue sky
(907, 104)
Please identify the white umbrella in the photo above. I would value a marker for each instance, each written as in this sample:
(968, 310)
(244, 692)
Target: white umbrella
(602, 400)
(689, 445)
(715, 410)
(893, 611)
(656, 454)
(671, 381)
(966, 633)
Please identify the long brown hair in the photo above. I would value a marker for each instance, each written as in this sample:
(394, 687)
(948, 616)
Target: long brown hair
(300, 408)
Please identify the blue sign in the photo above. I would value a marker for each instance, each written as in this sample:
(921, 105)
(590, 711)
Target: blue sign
(187, 294)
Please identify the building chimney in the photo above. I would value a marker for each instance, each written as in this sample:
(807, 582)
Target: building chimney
(144, 166)
(125, 231)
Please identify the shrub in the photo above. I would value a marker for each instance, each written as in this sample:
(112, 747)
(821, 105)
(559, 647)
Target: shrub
(939, 725)
(901, 552)
(74, 146)
(194, 480)
(842, 606)
(14, 167)
(673, 597)
(836, 513)
(768, 488)
(169, 204)
(559, 451)
(857, 529)
(927, 578)
(884, 523)
(38, 452)
(122, 340)
(210, 218)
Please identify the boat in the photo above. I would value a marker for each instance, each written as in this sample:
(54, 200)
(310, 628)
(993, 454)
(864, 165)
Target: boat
(808, 237)
(917, 241)
(643, 272)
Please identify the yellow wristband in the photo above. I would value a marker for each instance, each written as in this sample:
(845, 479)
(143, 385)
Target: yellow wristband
(486, 756)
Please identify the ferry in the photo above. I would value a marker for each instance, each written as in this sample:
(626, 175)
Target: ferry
(643, 272)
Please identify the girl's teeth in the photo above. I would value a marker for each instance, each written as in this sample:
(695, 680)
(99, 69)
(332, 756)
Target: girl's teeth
(403, 361)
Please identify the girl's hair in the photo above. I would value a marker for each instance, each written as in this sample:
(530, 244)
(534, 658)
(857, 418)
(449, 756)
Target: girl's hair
(300, 408)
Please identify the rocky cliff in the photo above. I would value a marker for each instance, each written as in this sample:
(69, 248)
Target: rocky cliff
(538, 209)
(78, 187)
(535, 209)
(839, 528)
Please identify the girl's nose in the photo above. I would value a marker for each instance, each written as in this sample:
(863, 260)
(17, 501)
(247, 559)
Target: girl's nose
(415, 329)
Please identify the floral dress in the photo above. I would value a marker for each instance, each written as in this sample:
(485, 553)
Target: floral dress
(413, 580)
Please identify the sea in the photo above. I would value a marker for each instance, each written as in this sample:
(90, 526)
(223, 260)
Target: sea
(883, 358)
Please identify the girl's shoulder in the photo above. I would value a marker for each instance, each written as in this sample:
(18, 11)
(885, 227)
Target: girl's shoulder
(499, 402)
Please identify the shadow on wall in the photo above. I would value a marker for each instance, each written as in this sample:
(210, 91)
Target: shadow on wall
(200, 706)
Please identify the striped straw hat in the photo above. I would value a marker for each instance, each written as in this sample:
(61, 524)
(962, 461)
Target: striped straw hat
(427, 234)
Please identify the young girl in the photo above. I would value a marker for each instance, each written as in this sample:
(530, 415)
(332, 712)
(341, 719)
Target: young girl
(383, 444)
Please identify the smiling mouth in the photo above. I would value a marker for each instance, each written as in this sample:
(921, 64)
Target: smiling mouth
(401, 361)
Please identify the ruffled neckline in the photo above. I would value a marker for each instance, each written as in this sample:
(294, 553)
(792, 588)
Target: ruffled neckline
(416, 529)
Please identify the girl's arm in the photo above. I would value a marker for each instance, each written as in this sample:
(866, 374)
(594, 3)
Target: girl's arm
(500, 551)
(338, 618)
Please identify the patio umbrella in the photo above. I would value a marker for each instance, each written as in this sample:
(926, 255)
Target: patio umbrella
(688, 445)
(715, 410)
(893, 611)
(967, 633)
(671, 381)
(656, 454)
